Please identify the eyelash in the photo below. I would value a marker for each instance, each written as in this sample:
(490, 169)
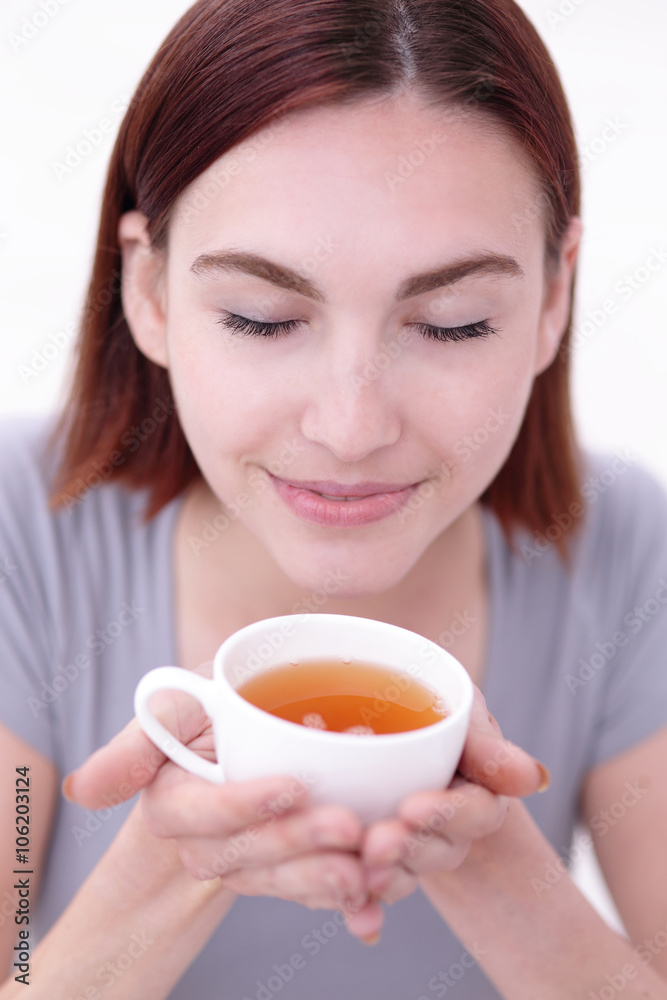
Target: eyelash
(272, 331)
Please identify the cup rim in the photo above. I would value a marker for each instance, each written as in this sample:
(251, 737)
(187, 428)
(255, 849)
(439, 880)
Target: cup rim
(324, 735)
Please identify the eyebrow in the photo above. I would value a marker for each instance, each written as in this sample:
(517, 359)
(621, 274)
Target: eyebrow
(284, 277)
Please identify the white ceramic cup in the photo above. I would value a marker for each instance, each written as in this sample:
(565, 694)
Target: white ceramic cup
(370, 774)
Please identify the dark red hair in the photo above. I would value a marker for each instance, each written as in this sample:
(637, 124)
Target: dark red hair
(232, 67)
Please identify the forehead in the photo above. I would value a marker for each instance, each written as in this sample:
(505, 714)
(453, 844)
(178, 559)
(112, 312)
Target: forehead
(379, 169)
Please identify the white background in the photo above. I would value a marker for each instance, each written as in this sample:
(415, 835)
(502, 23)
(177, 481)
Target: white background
(86, 61)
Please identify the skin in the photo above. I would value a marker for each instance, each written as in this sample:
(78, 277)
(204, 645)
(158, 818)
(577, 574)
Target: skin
(240, 400)
(323, 176)
(320, 856)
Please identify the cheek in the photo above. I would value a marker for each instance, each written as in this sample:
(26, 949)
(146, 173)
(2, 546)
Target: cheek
(225, 405)
(473, 413)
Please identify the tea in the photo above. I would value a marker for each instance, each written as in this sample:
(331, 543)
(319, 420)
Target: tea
(342, 697)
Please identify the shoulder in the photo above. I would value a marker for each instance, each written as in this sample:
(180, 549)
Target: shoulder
(619, 557)
(29, 460)
(620, 599)
(617, 542)
(22, 442)
(26, 468)
(626, 510)
(622, 477)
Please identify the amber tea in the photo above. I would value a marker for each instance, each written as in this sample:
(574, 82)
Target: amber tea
(326, 676)
(354, 697)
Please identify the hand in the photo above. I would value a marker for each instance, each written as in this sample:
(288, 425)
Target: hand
(262, 837)
(259, 837)
(434, 830)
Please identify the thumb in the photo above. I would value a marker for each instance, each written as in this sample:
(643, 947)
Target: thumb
(130, 761)
(490, 760)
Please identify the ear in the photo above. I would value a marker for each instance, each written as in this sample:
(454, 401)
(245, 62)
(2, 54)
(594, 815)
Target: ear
(142, 287)
(556, 301)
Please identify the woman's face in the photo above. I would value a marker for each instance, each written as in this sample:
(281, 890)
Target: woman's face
(325, 224)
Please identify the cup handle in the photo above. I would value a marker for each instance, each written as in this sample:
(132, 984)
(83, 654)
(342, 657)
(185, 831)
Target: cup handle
(201, 688)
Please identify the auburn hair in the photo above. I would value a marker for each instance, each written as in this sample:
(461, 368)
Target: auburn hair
(230, 68)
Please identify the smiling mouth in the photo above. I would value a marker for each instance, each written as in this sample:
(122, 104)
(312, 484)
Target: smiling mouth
(342, 505)
(331, 490)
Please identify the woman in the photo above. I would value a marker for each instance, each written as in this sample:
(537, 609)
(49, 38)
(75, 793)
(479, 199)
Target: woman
(336, 259)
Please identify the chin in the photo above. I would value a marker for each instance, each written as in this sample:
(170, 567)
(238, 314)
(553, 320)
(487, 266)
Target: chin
(327, 583)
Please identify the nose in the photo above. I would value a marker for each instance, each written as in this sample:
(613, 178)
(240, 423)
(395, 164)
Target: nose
(353, 407)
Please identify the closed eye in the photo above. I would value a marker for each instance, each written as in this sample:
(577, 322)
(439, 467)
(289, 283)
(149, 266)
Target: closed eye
(467, 332)
(255, 328)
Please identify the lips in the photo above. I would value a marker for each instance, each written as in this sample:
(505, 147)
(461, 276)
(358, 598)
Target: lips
(327, 487)
(342, 505)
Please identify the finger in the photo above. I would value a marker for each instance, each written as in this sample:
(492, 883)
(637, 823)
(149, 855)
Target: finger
(328, 880)
(384, 843)
(495, 762)
(129, 761)
(391, 884)
(365, 922)
(260, 846)
(455, 817)
(461, 813)
(431, 853)
(178, 803)
(120, 769)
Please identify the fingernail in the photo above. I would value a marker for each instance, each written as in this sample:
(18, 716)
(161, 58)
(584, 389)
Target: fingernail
(373, 939)
(66, 787)
(545, 776)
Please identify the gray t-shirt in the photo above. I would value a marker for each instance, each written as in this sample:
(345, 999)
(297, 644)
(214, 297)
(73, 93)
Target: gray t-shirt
(577, 672)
